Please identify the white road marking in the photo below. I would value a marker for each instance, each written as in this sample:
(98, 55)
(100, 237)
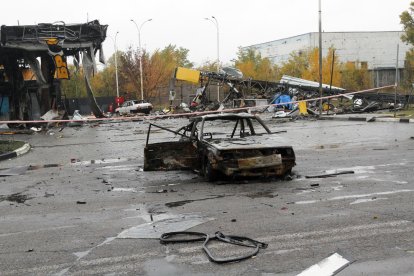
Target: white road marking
(133, 190)
(38, 230)
(281, 244)
(363, 200)
(354, 196)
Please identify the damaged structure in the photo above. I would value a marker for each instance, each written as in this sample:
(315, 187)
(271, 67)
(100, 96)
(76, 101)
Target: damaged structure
(33, 61)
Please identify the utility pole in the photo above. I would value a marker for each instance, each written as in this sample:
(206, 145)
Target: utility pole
(396, 82)
(320, 57)
(116, 66)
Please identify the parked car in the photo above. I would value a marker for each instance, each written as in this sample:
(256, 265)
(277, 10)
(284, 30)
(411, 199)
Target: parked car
(230, 145)
(134, 106)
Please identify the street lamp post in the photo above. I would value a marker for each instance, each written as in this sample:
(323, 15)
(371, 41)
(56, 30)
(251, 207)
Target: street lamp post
(215, 22)
(320, 57)
(140, 52)
(116, 66)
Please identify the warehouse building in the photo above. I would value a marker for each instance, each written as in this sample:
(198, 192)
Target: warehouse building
(377, 51)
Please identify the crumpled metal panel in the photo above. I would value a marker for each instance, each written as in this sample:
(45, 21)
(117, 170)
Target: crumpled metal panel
(260, 161)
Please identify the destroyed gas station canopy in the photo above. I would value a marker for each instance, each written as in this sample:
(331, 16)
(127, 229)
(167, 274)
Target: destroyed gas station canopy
(33, 60)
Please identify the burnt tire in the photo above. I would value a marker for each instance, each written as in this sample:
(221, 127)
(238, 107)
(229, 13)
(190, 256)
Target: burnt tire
(209, 173)
(16, 126)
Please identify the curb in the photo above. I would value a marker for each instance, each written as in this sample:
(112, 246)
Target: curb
(369, 119)
(11, 154)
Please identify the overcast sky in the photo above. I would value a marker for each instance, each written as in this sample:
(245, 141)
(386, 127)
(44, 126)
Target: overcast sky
(182, 23)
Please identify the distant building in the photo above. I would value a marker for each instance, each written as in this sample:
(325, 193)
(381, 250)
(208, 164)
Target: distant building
(376, 51)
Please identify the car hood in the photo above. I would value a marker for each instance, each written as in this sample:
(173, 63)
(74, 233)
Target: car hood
(251, 142)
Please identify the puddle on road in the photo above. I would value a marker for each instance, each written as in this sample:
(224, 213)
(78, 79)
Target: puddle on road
(357, 170)
(183, 202)
(262, 194)
(99, 161)
(120, 167)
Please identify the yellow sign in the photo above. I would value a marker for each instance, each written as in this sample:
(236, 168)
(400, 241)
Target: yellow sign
(187, 75)
(302, 108)
(62, 71)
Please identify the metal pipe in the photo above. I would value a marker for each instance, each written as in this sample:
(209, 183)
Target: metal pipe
(396, 81)
(215, 22)
(116, 66)
(332, 72)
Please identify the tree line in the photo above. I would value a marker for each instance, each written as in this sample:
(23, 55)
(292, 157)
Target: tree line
(159, 66)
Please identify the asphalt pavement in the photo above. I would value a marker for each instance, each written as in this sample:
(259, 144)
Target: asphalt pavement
(86, 207)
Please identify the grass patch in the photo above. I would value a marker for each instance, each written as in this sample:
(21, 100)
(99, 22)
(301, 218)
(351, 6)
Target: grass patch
(403, 113)
(7, 146)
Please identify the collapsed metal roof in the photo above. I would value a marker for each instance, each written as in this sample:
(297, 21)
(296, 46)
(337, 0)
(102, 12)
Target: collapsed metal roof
(71, 36)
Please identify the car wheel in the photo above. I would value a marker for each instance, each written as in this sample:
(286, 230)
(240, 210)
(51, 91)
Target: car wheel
(210, 173)
(16, 126)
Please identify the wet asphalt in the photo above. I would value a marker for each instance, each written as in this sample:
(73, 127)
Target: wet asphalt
(75, 216)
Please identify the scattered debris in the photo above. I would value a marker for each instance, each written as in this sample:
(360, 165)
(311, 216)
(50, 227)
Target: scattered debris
(327, 267)
(49, 195)
(219, 237)
(17, 197)
(36, 129)
(183, 202)
(16, 131)
(329, 174)
(78, 119)
(133, 190)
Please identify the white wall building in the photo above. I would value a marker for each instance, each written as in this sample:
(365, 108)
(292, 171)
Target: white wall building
(377, 49)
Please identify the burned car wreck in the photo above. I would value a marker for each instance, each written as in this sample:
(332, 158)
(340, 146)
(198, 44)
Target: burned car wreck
(232, 145)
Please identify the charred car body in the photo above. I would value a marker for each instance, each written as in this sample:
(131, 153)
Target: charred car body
(241, 148)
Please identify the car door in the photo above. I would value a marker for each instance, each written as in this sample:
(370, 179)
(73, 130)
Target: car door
(172, 155)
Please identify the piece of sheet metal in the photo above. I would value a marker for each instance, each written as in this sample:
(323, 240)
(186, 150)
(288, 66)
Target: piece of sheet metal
(153, 230)
(327, 267)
